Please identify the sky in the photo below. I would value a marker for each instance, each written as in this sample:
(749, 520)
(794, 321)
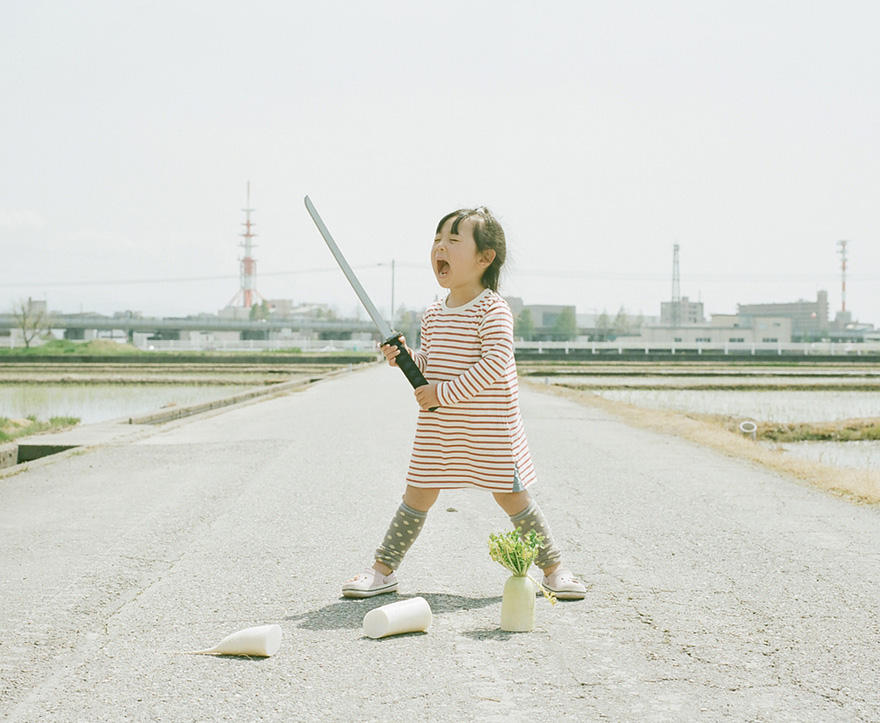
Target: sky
(599, 133)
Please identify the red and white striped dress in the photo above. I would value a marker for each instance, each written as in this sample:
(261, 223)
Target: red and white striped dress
(476, 437)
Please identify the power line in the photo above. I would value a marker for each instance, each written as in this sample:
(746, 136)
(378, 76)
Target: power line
(176, 280)
(690, 278)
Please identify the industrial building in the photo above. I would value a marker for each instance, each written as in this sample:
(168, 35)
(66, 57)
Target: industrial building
(722, 330)
(681, 311)
(809, 319)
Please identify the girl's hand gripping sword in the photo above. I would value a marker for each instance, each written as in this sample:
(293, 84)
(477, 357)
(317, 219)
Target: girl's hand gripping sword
(404, 360)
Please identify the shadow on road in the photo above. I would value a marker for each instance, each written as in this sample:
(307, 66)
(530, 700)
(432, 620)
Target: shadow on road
(489, 634)
(350, 613)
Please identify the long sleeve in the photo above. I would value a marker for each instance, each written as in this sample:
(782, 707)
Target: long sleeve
(496, 351)
(420, 355)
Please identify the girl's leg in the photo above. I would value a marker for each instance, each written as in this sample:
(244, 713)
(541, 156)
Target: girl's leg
(404, 528)
(525, 514)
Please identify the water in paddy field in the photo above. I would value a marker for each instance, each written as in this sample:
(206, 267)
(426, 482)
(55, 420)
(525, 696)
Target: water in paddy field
(863, 454)
(769, 406)
(716, 380)
(100, 402)
(772, 405)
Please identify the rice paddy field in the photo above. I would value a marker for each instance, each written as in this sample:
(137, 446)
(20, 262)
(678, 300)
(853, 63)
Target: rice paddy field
(861, 454)
(825, 415)
(89, 392)
(761, 406)
(91, 403)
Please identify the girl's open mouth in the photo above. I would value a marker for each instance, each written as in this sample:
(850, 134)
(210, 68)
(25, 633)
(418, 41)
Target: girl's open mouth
(442, 267)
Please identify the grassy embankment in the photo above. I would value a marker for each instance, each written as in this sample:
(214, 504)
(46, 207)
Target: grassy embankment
(104, 347)
(11, 429)
(63, 346)
(106, 362)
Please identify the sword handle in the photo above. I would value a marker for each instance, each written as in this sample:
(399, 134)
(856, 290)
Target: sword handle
(407, 365)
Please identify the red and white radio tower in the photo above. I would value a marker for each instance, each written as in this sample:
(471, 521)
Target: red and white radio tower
(247, 294)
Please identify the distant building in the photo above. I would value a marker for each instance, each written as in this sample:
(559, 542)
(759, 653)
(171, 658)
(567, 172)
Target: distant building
(845, 328)
(543, 322)
(37, 306)
(546, 316)
(238, 313)
(723, 329)
(516, 304)
(809, 319)
(684, 311)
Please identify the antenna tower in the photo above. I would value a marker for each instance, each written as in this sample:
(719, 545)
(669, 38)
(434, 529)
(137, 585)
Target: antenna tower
(842, 252)
(247, 294)
(676, 288)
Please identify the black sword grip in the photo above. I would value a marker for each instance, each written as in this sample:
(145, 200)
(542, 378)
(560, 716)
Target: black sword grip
(408, 366)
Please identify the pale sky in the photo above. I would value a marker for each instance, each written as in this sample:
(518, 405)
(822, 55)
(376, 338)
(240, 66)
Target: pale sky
(600, 133)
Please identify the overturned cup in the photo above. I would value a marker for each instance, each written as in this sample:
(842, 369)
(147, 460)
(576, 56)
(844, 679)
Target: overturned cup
(404, 616)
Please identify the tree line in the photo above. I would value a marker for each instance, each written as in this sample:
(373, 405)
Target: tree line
(565, 326)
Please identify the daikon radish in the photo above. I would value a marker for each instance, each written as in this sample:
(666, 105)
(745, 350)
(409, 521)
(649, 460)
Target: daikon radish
(259, 641)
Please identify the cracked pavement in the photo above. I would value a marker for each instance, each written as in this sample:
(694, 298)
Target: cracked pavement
(717, 589)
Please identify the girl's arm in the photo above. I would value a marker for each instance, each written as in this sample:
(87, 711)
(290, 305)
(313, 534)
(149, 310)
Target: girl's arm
(496, 351)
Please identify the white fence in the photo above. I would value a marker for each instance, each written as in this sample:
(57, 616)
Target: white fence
(257, 345)
(638, 345)
(620, 346)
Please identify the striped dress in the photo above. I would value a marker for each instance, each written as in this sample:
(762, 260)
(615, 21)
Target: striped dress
(476, 437)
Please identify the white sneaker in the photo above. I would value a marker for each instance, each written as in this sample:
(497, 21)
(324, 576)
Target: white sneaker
(369, 583)
(565, 585)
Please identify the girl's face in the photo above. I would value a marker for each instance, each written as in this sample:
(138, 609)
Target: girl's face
(457, 263)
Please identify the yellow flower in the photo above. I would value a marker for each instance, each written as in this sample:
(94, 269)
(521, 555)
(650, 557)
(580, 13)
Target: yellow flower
(517, 553)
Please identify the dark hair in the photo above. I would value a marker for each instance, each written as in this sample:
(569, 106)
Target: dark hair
(488, 234)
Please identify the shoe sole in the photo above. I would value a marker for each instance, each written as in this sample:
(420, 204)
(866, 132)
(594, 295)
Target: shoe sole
(565, 594)
(350, 592)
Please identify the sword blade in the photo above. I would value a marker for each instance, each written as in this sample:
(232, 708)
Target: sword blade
(381, 324)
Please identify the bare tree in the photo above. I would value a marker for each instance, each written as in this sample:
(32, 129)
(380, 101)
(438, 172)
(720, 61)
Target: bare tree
(621, 322)
(31, 317)
(523, 326)
(565, 328)
(603, 327)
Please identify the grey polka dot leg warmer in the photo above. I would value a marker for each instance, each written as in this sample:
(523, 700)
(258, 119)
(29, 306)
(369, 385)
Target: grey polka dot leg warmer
(531, 518)
(402, 533)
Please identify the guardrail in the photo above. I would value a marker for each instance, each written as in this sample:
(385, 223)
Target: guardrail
(310, 345)
(739, 348)
(151, 324)
(580, 348)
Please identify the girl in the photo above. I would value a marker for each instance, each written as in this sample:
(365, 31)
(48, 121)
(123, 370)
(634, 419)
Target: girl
(475, 437)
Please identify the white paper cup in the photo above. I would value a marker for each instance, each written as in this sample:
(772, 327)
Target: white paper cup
(404, 616)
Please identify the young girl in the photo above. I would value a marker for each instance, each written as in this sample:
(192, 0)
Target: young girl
(475, 436)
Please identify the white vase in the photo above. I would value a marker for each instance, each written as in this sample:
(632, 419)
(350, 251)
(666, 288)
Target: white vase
(518, 605)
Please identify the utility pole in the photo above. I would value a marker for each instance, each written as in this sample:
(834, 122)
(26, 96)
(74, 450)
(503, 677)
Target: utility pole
(842, 252)
(392, 293)
(676, 288)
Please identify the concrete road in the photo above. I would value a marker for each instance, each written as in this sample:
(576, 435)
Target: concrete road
(716, 589)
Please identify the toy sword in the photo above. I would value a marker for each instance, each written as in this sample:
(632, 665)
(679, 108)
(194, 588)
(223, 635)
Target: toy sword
(404, 360)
